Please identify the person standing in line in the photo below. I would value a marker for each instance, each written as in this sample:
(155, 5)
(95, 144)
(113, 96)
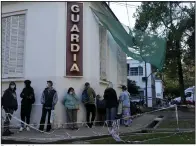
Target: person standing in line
(88, 98)
(72, 105)
(101, 109)
(48, 100)
(9, 104)
(125, 99)
(111, 100)
(28, 98)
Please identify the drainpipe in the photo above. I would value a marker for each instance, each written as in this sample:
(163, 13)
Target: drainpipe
(146, 85)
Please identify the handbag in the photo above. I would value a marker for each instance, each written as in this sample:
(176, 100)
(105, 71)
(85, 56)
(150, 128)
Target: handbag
(52, 117)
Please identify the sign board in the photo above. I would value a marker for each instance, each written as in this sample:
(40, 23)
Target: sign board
(74, 41)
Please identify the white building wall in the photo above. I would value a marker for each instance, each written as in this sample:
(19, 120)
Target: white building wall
(45, 55)
(138, 79)
(159, 89)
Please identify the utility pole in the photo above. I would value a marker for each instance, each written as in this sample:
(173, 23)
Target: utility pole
(109, 4)
(146, 79)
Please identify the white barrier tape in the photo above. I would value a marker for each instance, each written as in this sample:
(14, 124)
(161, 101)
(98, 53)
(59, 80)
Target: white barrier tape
(105, 123)
(69, 136)
(28, 124)
(135, 116)
(176, 109)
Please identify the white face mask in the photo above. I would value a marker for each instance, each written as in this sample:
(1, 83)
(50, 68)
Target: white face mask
(71, 93)
(12, 86)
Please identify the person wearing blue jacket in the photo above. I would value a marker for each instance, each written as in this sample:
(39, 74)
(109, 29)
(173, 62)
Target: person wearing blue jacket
(72, 106)
(125, 100)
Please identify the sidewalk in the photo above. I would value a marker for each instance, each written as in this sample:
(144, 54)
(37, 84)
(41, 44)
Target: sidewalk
(67, 135)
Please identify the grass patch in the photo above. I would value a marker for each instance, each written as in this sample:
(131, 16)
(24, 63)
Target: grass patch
(180, 138)
(173, 124)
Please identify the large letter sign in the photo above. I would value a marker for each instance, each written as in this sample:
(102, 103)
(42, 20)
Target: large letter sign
(74, 50)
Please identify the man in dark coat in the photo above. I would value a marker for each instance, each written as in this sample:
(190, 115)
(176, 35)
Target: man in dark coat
(111, 100)
(28, 98)
(9, 104)
(48, 100)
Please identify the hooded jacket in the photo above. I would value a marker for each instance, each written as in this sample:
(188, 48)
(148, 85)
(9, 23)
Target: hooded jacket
(9, 99)
(72, 101)
(27, 94)
(49, 98)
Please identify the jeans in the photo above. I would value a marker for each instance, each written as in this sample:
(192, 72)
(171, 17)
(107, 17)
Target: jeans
(9, 113)
(110, 115)
(90, 108)
(72, 118)
(101, 116)
(43, 118)
(25, 114)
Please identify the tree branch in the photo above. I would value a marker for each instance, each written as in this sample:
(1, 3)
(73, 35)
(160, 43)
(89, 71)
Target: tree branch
(164, 23)
(170, 15)
(183, 10)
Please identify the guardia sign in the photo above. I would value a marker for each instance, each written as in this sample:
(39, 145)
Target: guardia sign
(74, 50)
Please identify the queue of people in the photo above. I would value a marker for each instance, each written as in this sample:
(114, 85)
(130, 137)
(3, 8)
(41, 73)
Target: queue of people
(108, 107)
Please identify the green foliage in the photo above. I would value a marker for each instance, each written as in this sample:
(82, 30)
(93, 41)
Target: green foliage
(176, 21)
(132, 87)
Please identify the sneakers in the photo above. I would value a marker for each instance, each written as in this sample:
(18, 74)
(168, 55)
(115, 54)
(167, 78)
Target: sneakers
(28, 129)
(21, 129)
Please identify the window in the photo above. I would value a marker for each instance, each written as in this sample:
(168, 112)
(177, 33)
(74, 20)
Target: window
(140, 71)
(13, 35)
(133, 71)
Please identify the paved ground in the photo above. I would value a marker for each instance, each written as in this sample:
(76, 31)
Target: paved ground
(65, 134)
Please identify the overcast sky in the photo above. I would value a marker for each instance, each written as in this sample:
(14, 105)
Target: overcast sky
(120, 10)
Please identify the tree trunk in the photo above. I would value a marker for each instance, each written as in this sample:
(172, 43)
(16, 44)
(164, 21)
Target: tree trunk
(180, 72)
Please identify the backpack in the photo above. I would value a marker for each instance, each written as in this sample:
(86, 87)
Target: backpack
(85, 97)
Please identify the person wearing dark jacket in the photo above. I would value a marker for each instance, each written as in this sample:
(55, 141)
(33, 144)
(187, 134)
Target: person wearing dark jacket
(9, 104)
(48, 100)
(111, 100)
(101, 109)
(28, 98)
(89, 103)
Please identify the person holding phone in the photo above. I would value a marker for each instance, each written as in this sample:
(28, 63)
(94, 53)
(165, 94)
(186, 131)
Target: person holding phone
(72, 106)
(28, 98)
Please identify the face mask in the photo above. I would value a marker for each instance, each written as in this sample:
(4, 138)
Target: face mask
(48, 85)
(12, 86)
(71, 93)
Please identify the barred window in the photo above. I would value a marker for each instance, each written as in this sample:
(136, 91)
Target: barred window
(133, 71)
(13, 37)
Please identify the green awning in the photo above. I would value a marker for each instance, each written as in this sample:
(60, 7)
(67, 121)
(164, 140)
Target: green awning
(136, 44)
